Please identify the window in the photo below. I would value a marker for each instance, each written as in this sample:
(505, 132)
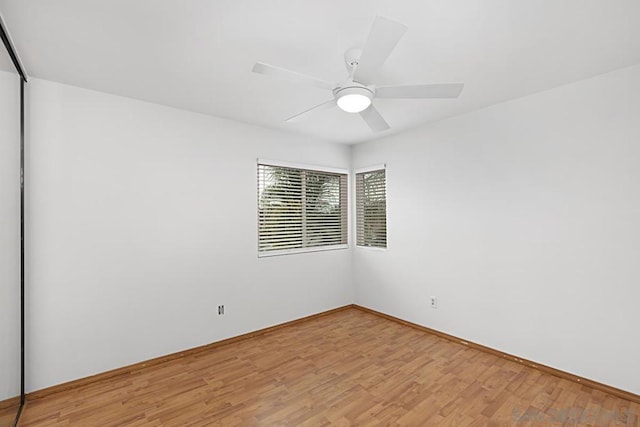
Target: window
(300, 210)
(371, 209)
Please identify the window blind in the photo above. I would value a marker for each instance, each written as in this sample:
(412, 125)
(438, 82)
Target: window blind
(371, 209)
(299, 208)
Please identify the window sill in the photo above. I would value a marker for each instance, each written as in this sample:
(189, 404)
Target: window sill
(301, 250)
(372, 248)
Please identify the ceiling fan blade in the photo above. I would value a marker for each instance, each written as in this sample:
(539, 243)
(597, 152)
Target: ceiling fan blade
(448, 90)
(271, 70)
(301, 116)
(384, 36)
(373, 118)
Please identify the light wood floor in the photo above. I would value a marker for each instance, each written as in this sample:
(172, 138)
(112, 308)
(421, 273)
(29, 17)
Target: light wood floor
(8, 416)
(8, 410)
(347, 368)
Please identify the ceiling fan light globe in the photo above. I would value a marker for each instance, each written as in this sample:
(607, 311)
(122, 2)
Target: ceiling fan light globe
(354, 102)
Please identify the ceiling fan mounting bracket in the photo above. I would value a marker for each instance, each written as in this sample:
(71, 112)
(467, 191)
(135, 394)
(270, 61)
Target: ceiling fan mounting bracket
(352, 58)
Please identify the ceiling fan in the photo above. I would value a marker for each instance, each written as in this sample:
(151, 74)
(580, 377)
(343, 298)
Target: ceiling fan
(355, 94)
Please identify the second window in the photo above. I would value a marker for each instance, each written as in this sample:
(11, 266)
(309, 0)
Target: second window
(371, 208)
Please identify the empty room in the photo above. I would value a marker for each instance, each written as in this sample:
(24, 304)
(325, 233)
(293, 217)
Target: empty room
(309, 213)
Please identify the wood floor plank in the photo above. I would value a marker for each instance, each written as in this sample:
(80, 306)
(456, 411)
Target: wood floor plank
(8, 410)
(346, 368)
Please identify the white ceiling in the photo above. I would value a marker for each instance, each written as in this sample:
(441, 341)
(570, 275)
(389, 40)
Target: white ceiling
(198, 54)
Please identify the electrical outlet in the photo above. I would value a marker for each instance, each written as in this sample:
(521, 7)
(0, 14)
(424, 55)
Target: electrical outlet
(434, 302)
(221, 309)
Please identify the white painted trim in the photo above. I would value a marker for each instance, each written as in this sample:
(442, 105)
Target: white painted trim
(371, 168)
(373, 248)
(301, 250)
(304, 166)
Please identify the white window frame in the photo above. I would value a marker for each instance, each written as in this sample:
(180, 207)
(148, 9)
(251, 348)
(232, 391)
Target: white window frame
(309, 167)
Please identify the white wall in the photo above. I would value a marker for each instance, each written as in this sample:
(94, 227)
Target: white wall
(9, 234)
(521, 218)
(524, 220)
(142, 219)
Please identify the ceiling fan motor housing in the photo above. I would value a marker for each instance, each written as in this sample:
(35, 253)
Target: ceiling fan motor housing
(353, 88)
